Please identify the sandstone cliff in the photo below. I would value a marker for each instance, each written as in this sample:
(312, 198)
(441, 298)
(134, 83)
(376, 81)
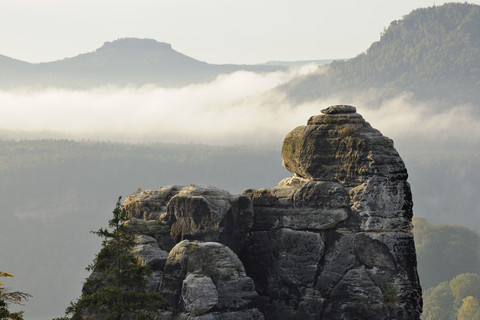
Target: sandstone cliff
(332, 242)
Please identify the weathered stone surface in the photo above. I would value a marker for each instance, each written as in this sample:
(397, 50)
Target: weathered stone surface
(199, 294)
(339, 257)
(313, 205)
(148, 252)
(282, 261)
(250, 314)
(174, 213)
(356, 297)
(373, 253)
(209, 214)
(340, 147)
(383, 204)
(149, 204)
(214, 260)
(339, 109)
(155, 229)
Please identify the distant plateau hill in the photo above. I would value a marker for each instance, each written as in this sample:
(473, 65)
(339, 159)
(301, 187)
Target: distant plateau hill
(128, 61)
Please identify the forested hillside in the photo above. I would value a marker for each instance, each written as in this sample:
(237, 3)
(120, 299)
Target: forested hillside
(449, 268)
(432, 52)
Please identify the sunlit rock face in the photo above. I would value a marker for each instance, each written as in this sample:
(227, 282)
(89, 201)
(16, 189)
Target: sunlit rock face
(334, 241)
(198, 232)
(331, 242)
(205, 213)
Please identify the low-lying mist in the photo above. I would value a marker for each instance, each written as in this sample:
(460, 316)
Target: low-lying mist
(234, 108)
(242, 107)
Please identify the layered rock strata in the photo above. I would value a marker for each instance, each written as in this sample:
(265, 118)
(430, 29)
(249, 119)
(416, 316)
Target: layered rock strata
(197, 234)
(334, 241)
(331, 242)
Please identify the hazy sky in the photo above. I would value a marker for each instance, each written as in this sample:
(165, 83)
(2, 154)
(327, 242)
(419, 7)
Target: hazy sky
(216, 31)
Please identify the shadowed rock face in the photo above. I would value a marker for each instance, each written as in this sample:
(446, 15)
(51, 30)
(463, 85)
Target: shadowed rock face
(331, 242)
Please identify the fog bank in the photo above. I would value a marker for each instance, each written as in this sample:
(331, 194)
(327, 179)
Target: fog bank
(242, 107)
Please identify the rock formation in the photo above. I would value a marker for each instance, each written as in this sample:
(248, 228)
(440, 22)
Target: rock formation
(331, 242)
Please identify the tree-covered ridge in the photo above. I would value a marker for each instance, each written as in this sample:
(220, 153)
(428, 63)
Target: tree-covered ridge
(454, 299)
(455, 248)
(133, 162)
(432, 52)
(449, 267)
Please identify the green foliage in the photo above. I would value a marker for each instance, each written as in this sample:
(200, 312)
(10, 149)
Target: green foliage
(119, 285)
(432, 52)
(390, 294)
(8, 297)
(457, 297)
(448, 266)
(444, 251)
(470, 309)
(438, 302)
(464, 285)
(111, 301)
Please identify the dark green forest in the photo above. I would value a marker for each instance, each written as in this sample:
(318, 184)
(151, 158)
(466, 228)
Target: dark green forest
(449, 268)
(431, 52)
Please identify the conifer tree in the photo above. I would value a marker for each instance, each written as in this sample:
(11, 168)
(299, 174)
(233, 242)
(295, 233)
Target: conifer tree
(117, 287)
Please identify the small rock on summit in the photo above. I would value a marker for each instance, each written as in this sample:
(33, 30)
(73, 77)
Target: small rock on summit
(339, 109)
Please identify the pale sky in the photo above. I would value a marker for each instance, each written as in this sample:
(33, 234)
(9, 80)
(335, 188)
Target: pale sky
(215, 31)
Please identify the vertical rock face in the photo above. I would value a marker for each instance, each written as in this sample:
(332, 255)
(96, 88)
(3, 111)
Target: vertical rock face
(334, 241)
(331, 242)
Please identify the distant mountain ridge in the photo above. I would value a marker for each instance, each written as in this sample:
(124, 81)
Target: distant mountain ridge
(128, 61)
(432, 52)
(321, 62)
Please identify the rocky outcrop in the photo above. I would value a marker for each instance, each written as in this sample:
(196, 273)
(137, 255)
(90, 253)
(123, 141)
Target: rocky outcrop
(343, 219)
(207, 262)
(175, 213)
(331, 242)
(190, 237)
